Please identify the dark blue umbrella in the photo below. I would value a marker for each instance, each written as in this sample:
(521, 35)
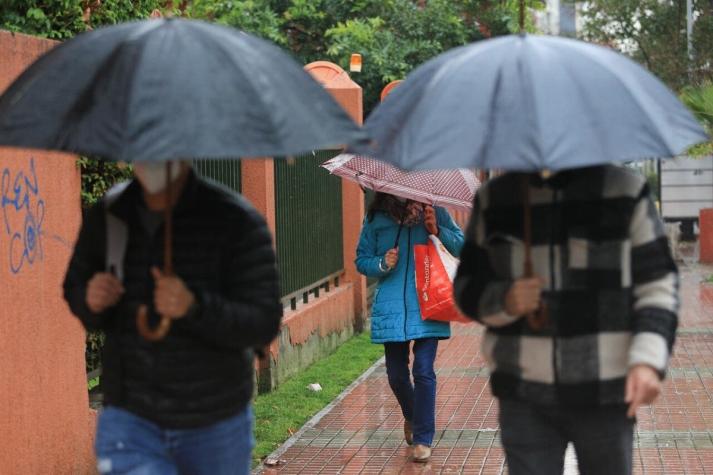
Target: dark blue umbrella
(528, 103)
(171, 89)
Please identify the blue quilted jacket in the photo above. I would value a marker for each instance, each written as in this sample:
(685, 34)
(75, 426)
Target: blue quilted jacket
(395, 314)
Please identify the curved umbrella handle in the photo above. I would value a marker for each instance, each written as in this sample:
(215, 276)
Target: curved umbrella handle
(538, 319)
(142, 316)
(148, 333)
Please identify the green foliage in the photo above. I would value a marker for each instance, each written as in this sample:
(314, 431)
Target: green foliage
(56, 19)
(700, 101)
(110, 12)
(93, 349)
(93, 383)
(395, 42)
(252, 16)
(654, 33)
(62, 19)
(393, 36)
(98, 176)
(281, 412)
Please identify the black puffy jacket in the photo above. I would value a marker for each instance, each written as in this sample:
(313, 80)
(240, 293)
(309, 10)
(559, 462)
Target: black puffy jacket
(202, 372)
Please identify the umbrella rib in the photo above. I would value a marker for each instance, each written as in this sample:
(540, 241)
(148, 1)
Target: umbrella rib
(635, 99)
(532, 102)
(247, 79)
(575, 82)
(485, 146)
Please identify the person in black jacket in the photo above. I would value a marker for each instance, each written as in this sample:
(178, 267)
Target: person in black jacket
(181, 404)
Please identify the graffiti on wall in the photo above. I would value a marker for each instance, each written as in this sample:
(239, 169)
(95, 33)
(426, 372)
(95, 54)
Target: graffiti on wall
(23, 211)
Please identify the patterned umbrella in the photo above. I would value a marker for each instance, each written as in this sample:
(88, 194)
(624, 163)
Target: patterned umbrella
(448, 188)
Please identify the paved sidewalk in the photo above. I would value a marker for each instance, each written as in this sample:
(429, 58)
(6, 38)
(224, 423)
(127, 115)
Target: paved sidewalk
(361, 432)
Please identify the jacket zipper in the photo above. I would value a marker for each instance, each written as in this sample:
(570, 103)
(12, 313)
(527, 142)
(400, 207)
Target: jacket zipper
(408, 255)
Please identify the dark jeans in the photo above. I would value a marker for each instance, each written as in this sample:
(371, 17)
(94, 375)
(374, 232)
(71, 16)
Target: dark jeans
(535, 438)
(417, 400)
(129, 444)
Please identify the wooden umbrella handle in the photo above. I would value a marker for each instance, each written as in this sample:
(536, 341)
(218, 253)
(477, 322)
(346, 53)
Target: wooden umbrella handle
(148, 333)
(142, 316)
(538, 319)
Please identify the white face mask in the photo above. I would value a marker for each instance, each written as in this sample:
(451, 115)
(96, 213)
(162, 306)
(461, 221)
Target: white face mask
(152, 175)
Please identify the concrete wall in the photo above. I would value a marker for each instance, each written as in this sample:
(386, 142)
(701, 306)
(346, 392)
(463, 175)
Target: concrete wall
(317, 328)
(308, 334)
(45, 422)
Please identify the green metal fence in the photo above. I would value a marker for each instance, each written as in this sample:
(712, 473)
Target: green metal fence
(226, 172)
(308, 204)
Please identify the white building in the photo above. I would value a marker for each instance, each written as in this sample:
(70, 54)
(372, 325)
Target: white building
(558, 18)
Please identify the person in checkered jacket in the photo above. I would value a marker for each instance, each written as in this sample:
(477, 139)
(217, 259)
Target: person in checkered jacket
(605, 274)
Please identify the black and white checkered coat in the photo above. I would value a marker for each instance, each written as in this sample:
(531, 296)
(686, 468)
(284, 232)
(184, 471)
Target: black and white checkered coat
(611, 284)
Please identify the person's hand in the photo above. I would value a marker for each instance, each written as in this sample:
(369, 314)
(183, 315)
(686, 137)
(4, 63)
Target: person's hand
(643, 386)
(429, 220)
(172, 298)
(391, 258)
(103, 291)
(523, 296)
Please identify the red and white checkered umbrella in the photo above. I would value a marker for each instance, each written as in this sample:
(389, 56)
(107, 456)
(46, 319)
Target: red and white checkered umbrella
(448, 188)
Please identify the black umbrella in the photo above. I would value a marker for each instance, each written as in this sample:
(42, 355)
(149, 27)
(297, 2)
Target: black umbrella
(167, 90)
(171, 89)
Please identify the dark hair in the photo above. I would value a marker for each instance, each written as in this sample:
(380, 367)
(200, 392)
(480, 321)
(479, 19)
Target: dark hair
(388, 204)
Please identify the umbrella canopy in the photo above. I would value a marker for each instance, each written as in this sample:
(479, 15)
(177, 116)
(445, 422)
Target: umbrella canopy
(171, 89)
(167, 90)
(449, 188)
(529, 103)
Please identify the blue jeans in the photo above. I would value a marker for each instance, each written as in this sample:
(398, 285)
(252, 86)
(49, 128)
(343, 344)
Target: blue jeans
(417, 400)
(129, 444)
(535, 438)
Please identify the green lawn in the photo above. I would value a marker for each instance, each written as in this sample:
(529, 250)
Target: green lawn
(283, 411)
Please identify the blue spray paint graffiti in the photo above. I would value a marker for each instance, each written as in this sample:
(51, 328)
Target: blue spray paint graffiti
(23, 212)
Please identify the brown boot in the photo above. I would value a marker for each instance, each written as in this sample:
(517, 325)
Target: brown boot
(408, 432)
(421, 453)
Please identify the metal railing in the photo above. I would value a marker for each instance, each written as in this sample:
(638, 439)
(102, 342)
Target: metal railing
(226, 172)
(292, 300)
(308, 222)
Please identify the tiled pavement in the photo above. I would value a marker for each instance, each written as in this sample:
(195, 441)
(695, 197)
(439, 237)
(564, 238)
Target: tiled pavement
(362, 432)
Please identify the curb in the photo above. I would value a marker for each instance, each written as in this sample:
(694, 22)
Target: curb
(317, 417)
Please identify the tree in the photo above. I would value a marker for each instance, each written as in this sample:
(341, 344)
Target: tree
(393, 36)
(653, 32)
(62, 19)
(256, 17)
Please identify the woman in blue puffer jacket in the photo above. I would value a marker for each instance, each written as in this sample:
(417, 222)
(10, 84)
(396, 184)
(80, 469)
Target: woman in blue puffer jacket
(391, 229)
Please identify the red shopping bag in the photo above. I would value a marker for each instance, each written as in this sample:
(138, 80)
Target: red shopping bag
(435, 271)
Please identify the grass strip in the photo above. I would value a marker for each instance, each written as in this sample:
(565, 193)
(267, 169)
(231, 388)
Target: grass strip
(280, 413)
